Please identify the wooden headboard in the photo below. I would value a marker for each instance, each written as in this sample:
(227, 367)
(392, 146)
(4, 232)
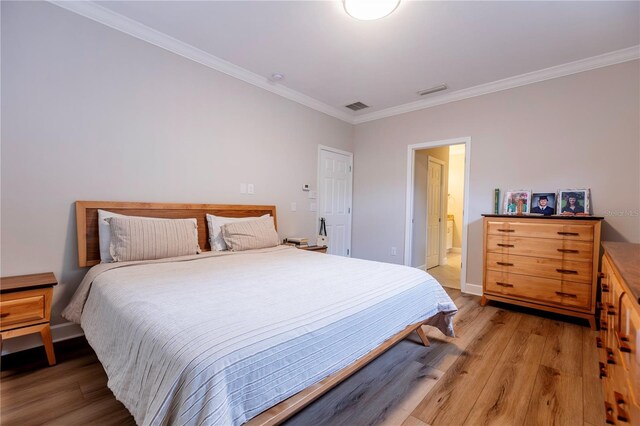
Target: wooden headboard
(87, 220)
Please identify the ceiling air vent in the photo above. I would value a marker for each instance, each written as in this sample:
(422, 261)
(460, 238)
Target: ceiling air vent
(357, 106)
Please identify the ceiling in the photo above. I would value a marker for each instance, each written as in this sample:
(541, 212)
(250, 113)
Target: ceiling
(336, 60)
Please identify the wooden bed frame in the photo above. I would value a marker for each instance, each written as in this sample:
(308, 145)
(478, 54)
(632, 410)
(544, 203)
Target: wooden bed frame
(89, 254)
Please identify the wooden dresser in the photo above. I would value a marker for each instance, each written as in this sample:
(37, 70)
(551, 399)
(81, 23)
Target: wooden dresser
(619, 360)
(542, 262)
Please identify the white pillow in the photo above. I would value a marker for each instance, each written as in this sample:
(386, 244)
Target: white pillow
(215, 232)
(104, 232)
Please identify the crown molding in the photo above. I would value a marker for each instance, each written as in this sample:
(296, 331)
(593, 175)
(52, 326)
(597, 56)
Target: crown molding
(119, 22)
(611, 58)
(136, 29)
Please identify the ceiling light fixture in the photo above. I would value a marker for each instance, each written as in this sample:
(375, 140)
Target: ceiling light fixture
(367, 10)
(276, 76)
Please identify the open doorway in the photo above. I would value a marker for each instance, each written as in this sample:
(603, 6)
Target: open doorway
(435, 234)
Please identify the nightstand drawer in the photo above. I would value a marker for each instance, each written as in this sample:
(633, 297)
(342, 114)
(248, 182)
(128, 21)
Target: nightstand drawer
(23, 308)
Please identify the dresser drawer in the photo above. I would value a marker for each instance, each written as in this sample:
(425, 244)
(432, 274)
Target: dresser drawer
(543, 267)
(541, 230)
(24, 308)
(626, 335)
(541, 290)
(541, 247)
(618, 409)
(619, 395)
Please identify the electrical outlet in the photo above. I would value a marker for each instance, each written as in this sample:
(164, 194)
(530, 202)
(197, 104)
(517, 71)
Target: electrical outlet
(394, 251)
(250, 189)
(243, 188)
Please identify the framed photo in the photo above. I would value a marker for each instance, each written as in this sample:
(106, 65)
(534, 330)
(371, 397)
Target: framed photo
(543, 203)
(513, 198)
(573, 201)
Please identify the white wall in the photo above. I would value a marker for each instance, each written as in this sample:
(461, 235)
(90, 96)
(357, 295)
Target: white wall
(580, 131)
(89, 113)
(455, 202)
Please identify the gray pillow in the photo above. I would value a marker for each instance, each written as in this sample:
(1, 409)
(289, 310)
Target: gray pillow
(251, 234)
(135, 238)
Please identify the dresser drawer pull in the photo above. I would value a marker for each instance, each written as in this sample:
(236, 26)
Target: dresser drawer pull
(568, 251)
(605, 288)
(504, 264)
(623, 342)
(598, 342)
(505, 245)
(568, 233)
(563, 294)
(601, 275)
(4, 314)
(504, 284)
(603, 324)
(506, 230)
(604, 306)
(608, 411)
(603, 370)
(611, 358)
(567, 271)
(620, 403)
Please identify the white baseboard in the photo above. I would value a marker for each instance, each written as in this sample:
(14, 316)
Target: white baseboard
(455, 250)
(473, 289)
(59, 332)
(422, 267)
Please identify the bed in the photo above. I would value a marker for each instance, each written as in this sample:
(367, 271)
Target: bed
(240, 337)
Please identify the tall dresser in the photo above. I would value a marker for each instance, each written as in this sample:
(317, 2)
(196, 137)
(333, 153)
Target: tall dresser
(619, 360)
(543, 262)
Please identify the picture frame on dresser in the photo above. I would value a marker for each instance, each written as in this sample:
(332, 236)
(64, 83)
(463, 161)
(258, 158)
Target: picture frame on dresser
(511, 199)
(573, 201)
(543, 203)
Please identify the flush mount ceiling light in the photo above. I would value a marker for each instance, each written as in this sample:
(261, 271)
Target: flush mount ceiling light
(276, 76)
(367, 10)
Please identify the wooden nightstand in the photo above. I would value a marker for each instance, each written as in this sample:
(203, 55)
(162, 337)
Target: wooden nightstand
(319, 249)
(25, 308)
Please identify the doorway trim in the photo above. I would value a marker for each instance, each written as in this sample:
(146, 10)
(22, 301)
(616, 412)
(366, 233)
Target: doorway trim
(411, 161)
(350, 207)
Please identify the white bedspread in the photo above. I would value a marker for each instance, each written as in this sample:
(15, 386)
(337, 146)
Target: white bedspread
(220, 339)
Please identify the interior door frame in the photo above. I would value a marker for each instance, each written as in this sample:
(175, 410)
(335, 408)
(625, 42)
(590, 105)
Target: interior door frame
(411, 160)
(442, 249)
(350, 211)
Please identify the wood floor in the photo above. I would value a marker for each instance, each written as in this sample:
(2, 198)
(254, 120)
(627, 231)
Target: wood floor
(505, 367)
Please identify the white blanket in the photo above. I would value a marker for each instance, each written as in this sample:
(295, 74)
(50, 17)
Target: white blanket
(220, 339)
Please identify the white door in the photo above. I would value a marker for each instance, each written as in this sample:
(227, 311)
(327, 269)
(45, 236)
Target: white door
(434, 208)
(334, 204)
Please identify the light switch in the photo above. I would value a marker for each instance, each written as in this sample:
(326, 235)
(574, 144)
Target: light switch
(313, 195)
(313, 207)
(294, 206)
(250, 189)
(243, 188)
